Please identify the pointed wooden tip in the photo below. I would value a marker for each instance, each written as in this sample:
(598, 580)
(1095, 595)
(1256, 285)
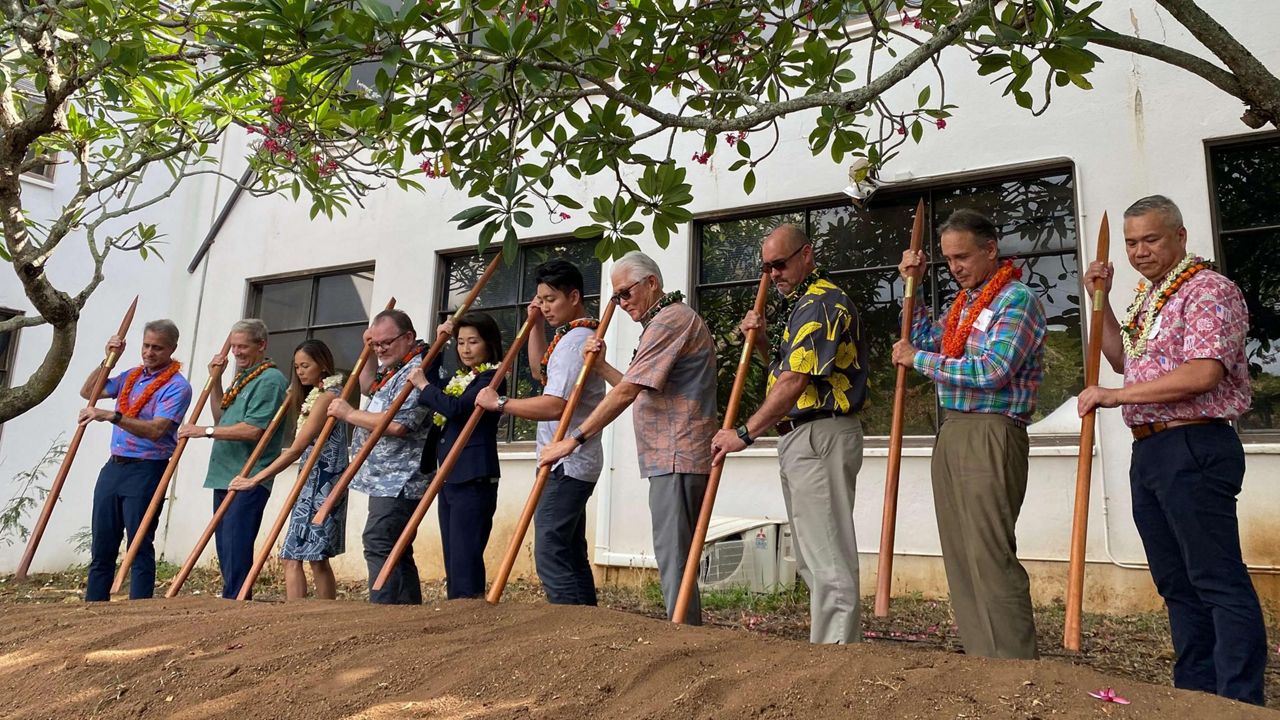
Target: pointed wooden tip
(391, 304)
(920, 206)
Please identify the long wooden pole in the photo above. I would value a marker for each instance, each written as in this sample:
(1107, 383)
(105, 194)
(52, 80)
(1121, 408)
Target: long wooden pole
(388, 414)
(689, 581)
(893, 468)
(157, 498)
(544, 472)
(300, 482)
(1084, 463)
(450, 460)
(56, 489)
(221, 512)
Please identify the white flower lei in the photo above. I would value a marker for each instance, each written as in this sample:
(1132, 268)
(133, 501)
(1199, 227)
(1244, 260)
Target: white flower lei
(458, 384)
(1134, 347)
(329, 383)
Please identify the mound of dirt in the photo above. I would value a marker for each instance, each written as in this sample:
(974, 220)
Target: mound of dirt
(204, 658)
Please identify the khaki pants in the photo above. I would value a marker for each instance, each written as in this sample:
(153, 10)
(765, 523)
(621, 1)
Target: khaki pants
(819, 464)
(979, 481)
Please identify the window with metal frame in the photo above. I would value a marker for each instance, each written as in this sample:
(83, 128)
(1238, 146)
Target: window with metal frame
(1244, 180)
(505, 297)
(861, 248)
(8, 348)
(333, 306)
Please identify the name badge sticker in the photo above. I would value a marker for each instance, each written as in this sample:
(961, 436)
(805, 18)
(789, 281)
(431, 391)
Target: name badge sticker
(376, 404)
(985, 317)
(1155, 328)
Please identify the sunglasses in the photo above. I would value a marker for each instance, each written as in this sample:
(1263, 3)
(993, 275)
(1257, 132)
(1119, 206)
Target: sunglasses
(779, 265)
(384, 344)
(625, 293)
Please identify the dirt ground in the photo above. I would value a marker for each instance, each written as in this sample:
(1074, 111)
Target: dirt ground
(196, 657)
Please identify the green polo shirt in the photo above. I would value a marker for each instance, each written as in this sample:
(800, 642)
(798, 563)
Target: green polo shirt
(256, 405)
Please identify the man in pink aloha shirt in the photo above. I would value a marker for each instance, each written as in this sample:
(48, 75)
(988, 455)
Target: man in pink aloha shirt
(1182, 352)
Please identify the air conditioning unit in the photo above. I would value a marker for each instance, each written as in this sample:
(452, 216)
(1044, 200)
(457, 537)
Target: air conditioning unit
(755, 553)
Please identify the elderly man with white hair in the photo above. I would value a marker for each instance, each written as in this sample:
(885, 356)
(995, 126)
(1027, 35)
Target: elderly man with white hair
(672, 382)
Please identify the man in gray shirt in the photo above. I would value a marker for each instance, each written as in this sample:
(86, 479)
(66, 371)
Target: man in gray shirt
(560, 522)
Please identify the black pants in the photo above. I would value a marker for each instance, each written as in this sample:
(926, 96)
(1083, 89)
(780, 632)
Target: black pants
(388, 517)
(120, 499)
(236, 535)
(560, 540)
(1184, 482)
(466, 518)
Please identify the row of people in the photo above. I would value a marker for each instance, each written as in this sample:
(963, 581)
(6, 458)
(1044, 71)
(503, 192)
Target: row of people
(1181, 351)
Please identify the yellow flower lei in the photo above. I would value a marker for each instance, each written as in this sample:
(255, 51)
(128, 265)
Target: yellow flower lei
(458, 384)
(329, 383)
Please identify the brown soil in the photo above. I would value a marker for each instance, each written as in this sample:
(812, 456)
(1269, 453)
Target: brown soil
(196, 657)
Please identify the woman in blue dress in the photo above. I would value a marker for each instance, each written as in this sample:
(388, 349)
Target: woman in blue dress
(315, 383)
(469, 497)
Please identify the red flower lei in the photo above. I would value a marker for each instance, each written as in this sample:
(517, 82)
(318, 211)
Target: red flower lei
(132, 409)
(955, 333)
(561, 331)
(243, 381)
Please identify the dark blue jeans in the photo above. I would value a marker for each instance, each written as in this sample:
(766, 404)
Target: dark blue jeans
(1184, 482)
(388, 517)
(120, 499)
(560, 540)
(466, 518)
(236, 535)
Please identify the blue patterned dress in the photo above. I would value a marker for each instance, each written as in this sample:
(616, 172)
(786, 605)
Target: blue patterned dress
(305, 541)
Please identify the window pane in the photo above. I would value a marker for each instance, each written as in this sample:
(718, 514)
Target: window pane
(1056, 282)
(461, 274)
(345, 343)
(1032, 214)
(850, 238)
(4, 347)
(723, 309)
(344, 298)
(1253, 263)
(1247, 181)
(284, 305)
(878, 296)
(731, 249)
(280, 347)
(581, 254)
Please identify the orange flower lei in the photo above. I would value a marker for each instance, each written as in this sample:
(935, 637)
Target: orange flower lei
(132, 409)
(955, 333)
(242, 381)
(561, 331)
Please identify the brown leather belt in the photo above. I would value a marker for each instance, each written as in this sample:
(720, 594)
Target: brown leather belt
(1146, 430)
(787, 426)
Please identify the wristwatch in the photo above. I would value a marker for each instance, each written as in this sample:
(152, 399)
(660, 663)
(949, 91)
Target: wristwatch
(208, 432)
(744, 436)
(576, 434)
(502, 404)
(115, 418)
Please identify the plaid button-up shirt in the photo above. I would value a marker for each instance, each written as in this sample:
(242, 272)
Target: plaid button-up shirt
(1003, 360)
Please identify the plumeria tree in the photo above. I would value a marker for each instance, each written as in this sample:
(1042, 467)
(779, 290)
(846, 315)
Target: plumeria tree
(510, 101)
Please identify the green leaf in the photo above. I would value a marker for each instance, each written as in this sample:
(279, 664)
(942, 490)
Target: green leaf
(568, 202)
(377, 10)
(100, 48)
(923, 99)
(749, 182)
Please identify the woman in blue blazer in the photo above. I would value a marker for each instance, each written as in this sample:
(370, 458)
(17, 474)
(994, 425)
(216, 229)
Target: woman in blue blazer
(469, 497)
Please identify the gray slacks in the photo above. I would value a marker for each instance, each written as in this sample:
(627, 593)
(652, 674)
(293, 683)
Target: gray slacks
(674, 502)
(979, 481)
(819, 463)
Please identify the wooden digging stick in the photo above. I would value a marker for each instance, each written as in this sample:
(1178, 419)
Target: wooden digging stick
(450, 460)
(286, 510)
(544, 472)
(162, 489)
(221, 512)
(689, 581)
(1084, 465)
(56, 489)
(889, 518)
(389, 413)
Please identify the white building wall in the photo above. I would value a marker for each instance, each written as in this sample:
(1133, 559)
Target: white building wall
(1141, 131)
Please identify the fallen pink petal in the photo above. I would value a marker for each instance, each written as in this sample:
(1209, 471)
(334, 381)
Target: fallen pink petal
(1109, 695)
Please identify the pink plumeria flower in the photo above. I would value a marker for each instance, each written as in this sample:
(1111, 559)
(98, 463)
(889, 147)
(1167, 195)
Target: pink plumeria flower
(1108, 695)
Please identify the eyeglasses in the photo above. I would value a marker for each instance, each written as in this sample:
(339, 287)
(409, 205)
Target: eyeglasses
(625, 293)
(779, 265)
(384, 344)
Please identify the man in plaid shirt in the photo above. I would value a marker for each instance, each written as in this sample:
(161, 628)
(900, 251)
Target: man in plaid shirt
(987, 362)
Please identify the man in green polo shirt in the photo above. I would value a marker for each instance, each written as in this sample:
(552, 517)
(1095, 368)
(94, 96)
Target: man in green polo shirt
(242, 413)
